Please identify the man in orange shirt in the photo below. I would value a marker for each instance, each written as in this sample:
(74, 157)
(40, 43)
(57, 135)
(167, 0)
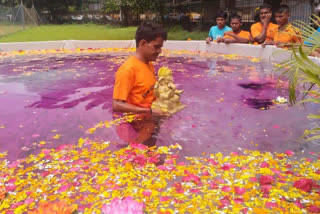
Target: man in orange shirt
(264, 30)
(237, 35)
(135, 79)
(286, 34)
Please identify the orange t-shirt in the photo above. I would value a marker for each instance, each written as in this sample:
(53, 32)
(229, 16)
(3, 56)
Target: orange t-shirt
(134, 83)
(288, 35)
(256, 30)
(242, 33)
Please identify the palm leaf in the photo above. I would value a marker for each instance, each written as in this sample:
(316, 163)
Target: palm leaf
(316, 137)
(314, 116)
(301, 71)
(309, 132)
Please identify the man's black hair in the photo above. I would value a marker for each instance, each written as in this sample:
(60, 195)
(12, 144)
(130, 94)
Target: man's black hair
(283, 9)
(150, 31)
(222, 14)
(265, 6)
(235, 16)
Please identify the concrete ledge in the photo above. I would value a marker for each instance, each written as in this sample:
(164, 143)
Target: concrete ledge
(269, 53)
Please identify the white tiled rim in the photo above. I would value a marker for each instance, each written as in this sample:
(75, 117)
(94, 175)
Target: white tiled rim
(268, 53)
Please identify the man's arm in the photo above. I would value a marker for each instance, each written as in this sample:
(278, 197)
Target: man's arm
(240, 39)
(265, 43)
(263, 35)
(229, 40)
(122, 106)
(235, 38)
(210, 36)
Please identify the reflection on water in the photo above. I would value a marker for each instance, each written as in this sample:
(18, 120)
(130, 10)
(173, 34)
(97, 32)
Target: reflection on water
(53, 100)
(262, 104)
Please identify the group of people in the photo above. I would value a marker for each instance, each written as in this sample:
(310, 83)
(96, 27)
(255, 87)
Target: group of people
(135, 79)
(263, 32)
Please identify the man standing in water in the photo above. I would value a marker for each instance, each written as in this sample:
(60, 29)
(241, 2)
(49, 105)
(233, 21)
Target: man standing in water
(135, 79)
(264, 30)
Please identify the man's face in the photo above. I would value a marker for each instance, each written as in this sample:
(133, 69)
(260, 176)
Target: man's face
(264, 13)
(151, 50)
(235, 24)
(282, 18)
(221, 22)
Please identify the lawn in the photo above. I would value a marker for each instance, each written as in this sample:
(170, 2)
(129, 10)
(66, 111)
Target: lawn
(9, 29)
(89, 32)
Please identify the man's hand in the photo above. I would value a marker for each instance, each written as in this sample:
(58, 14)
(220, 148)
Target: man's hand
(267, 43)
(220, 40)
(266, 21)
(158, 112)
(229, 41)
(208, 40)
(251, 39)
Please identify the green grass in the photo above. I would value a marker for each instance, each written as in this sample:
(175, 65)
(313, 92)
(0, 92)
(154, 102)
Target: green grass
(9, 29)
(89, 32)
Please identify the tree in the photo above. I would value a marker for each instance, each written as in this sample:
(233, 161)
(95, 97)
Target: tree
(122, 6)
(133, 8)
(56, 8)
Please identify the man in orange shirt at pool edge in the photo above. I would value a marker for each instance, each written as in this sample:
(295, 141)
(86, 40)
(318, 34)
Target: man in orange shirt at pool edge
(134, 84)
(264, 30)
(237, 35)
(286, 33)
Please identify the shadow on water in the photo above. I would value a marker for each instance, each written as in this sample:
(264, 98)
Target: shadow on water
(263, 104)
(253, 86)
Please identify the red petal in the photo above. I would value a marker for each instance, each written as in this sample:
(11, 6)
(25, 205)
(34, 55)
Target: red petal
(314, 209)
(194, 190)
(264, 165)
(226, 188)
(271, 205)
(299, 204)
(239, 190)
(304, 184)
(238, 201)
(266, 179)
(289, 153)
(164, 198)
(146, 193)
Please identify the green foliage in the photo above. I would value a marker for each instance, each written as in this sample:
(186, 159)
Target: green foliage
(301, 71)
(133, 8)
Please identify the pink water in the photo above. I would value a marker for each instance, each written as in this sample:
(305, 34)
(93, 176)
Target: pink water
(57, 98)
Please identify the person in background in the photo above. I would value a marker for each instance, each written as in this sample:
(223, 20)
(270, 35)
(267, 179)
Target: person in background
(221, 27)
(237, 35)
(264, 30)
(286, 34)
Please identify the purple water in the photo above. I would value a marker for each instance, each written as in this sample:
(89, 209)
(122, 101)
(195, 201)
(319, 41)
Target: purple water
(56, 98)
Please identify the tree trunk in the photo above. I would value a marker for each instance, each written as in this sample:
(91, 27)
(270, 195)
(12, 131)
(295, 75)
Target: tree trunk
(125, 10)
(161, 12)
(53, 15)
(79, 5)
